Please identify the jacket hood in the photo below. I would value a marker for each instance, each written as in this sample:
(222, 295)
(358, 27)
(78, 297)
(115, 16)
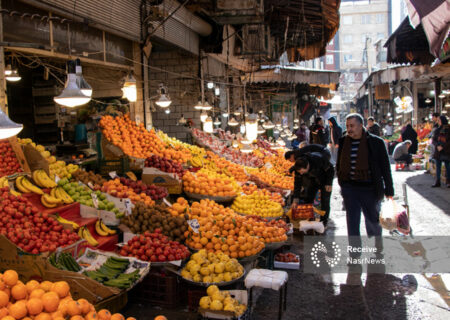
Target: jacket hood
(333, 121)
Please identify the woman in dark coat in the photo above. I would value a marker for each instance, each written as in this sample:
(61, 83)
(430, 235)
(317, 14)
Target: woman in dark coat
(335, 135)
(442, 150)
(410, 134)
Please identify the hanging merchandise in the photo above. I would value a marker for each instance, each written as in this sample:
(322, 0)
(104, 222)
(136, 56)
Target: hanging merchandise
(82, 83)
(164, 99)
(233, 122)
(208, 125)
(71, 96)
(129, 88)
(203, 116)
(8, 128)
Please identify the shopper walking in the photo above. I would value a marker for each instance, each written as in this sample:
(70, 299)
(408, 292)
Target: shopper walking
(389, 129)
(442, 151)
(401, 152)
(408, 133)
(319, 133)
(373, 127)
(314, 172)
(335, 135)
(364, 174)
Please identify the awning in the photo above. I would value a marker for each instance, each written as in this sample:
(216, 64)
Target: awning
(317, 78)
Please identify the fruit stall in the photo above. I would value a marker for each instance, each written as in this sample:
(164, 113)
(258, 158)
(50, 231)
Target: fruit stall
(185, 225)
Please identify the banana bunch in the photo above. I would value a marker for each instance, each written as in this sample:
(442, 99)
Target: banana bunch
(24, 185)
(84, 233)
(43, 180)
(65, 221)
(102, 229)
(4, 183)
(50, 201)
(197, 161)
(61, 194)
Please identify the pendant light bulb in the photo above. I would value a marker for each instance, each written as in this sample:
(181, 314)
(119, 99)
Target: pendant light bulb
(203, 116)
(14, 76)
(210, 85)
(129, 88)
(71, 96)
(8, 128)
(82, 83)
(8, 70)
(207, 106)
(233, 122)
(164, 99)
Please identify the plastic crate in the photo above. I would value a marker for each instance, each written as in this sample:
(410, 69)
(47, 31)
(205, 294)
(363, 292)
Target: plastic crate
(119, 166)
(194, 296)
(159, 289)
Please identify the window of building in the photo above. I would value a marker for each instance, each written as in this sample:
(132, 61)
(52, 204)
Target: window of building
(380, 35)
(347, 19)
(380, 18)
(348, 38)
(331, 42)
(365, 19)
(330, 59)
(364, 37)
(347, 57)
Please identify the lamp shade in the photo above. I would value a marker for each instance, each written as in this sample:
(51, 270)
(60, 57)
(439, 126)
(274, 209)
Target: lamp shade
(13, 76)
(260, 130)
(216, 121)
(268, 125)
(203, 116)
(72, 96)
(208, 125)
(8, 70)
(225, 114)
(85, 88)
(8, 128)
(207, 106)
(198, 106)
(233, 122)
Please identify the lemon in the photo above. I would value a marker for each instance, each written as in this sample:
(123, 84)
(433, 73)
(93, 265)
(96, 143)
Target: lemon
(216, 305)
(211, 290)
(205, 302)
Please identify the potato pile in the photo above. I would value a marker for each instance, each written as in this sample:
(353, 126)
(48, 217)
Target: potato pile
(145, 218)
(89, 176)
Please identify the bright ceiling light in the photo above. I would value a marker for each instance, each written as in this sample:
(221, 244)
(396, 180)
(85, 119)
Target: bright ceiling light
(167, 111)
(71, 96)
(427, 100)
(198, 106)
(203, 116)
(210, 85)
(217, 121)
(82, 83)
(8, 128)
(129, 88)
(14, 76)
(164, 99)
(207, 106)
(268, 125)
(233, 122)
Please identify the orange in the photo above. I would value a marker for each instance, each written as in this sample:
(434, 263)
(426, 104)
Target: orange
(2, 284)
(19, 291)
(32, 285)
(91, 316)
(57, 314)
(10, 277)
(61, 288)
(46, 285)
(50, 301)
(85, 306)
(43, 316)
(77, 317)
(34, 306)
(37, 293)
(3, 312)
(18, 310)
(104, 314)
(8, 318)
(131, 318)
(4, 299)
(117, 316)
(73, 308)
(160, 318)
(58, 318)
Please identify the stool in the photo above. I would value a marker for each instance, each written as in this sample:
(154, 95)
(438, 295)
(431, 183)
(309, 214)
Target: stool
(268, 279)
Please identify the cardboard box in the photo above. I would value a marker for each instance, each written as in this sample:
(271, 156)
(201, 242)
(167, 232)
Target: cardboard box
(157, 177)
(21, 158)
(239, 295)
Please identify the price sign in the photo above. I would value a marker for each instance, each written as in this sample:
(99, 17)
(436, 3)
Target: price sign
(176, 263)
(94, 200)
(113, 175)
(90, 185)
(194, 225)
(167, 203)
(57, 178)
(128, 208)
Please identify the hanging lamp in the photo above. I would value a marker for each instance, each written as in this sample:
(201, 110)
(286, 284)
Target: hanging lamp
(233, 122)
(164, 99)
(8, 128)
(198, 106)
(203, 116)
(82, 83)
(207, 106)
(71, 96)
(210, 85)
(167, 111)
(268, 125)
(216, 121)
(260, 130)
(8, 70)
(14, 76)
(208, 125)
(129, 88)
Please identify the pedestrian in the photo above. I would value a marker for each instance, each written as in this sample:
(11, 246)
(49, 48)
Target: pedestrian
(364, 174)
(401, 152)
(314, 172)
(389, 129)
(373, 127)
(442, 151)
(435, 119)
(302, 133)
(408, 133)
(319, 134)
(293, 155)
(335, 135)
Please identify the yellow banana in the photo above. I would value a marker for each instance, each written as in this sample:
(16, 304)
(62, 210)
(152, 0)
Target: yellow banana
(51, 200)
(36, 179)
(62, 194)
(89, 238)
(47, 204)
(20, 186)
(106, 229)
(4, 182)
(80, 232)
(65, 221)
(14, 192)
(31, 187)
(53, 193)
(99, 230)
(44, 179)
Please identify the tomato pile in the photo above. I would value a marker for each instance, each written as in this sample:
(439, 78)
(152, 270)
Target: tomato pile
(32, 231)
(286, 257)
(8, 161)
(154, 247)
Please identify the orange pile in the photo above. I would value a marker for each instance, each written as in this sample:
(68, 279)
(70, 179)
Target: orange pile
(279, 164)
(248, 189)
(117, 189)
(227, 167)
(273, 179)
(179, 208)
(222, 230)
(45, 301)
(136, 141)
(209, 183)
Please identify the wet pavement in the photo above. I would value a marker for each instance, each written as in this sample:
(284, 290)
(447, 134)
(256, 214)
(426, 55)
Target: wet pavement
(379, 296)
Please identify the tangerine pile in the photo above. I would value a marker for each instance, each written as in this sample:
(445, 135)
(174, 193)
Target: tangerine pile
(279, 164)
(210, 183)
(45, 301)
(270, 177)
(117, 189)
(227, 167)
(179, 208)
(136, 141)
(222, 230)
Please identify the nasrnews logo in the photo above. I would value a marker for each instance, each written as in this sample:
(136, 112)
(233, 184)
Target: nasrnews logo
(332, 258)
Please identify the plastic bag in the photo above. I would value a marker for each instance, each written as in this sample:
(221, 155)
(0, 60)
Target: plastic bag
(394, 217)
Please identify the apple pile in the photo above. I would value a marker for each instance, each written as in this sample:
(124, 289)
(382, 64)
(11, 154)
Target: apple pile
(153, 191)
(26, 227)
(8, 160)
(165, 165)
(154, 247)
(286, 257)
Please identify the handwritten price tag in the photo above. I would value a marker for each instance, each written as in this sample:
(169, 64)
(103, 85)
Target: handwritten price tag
(90, 185)
(57, 178)
(128, 207)
(194, 225)
(94, 200)
(113, 175)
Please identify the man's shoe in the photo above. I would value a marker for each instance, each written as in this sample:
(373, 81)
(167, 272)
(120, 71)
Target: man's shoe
(436, 185)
